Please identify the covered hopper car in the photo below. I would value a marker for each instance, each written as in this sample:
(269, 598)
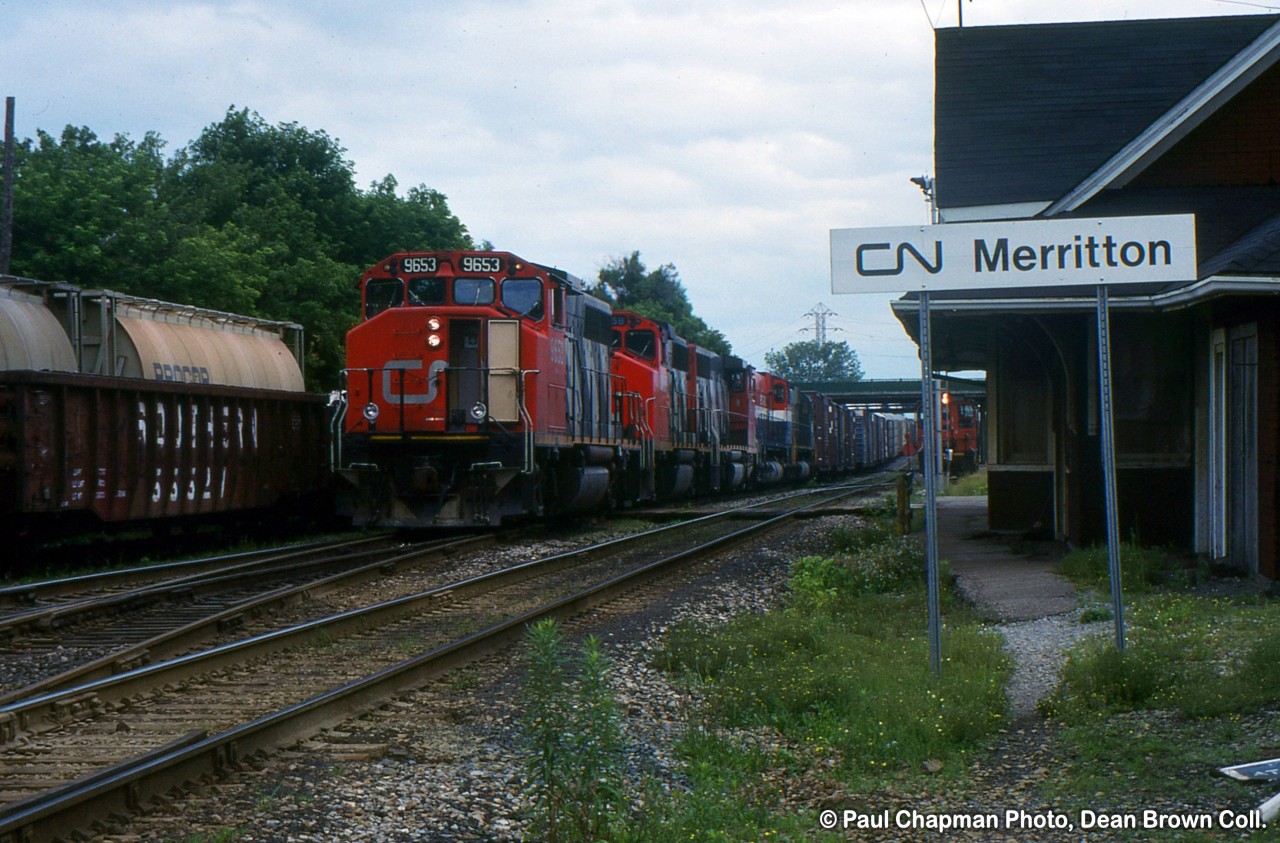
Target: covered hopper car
(118, 409)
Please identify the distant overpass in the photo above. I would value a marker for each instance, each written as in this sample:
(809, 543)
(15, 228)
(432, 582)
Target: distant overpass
(892, 395)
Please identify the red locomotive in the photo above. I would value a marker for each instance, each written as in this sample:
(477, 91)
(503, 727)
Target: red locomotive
(481, 386)
(959, 434)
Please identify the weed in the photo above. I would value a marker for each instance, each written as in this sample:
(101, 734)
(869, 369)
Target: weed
(1140, 567)
(573, 732)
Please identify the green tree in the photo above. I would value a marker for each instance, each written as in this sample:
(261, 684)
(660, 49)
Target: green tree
(86, 211)
(627, 284)
(252, 218)
(810, 361)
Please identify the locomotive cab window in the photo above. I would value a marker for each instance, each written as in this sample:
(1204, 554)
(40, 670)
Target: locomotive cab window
(425, 291)
(381, 294)
(642, 343)
(557, 304)
(473, 291)
(780, 393)
(737, 381)
(523, 296)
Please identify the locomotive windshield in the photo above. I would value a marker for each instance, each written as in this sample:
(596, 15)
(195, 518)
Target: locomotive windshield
(473, 291)
(426, 291)
(380, 294)
(523, 296)
(643, 343)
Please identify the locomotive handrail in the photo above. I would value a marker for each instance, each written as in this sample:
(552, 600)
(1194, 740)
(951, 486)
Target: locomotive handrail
(528, 423)
(338, 414)
(651, 445)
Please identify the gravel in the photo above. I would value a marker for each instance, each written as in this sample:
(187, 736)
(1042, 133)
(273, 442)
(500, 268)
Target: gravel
(1038, 649)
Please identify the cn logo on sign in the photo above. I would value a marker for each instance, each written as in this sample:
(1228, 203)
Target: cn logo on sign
(872, 260)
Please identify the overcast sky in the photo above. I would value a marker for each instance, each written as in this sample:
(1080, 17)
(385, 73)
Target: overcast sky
(726, 138)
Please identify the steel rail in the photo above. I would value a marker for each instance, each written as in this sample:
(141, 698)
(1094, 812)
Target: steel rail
(214, 576)
(167, 645)
(128, 786)
(30, 592)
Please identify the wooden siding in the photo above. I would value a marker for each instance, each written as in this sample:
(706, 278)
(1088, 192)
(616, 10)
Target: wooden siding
(1236, 146)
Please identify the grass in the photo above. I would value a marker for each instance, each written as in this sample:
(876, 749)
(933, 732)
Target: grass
(1141, 568)
(1197, 688)
(834, 691)
(831, 695)
(1196, 657)
(966, 485)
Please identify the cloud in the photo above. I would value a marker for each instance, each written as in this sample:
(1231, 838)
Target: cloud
(725, 137)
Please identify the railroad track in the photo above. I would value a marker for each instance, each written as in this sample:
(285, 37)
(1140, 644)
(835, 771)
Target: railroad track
(111, 746)
(74, 632)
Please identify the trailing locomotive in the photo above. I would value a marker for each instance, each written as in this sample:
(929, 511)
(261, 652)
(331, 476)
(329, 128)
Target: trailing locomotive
(481, 387)
(119, 409)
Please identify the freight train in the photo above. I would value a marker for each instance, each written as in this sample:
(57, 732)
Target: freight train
(481, 387)
(116, 409)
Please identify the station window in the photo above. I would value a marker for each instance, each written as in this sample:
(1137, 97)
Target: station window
(643, 343)
(523, 296)
(424, 291)
(381, 294)
(473, 291)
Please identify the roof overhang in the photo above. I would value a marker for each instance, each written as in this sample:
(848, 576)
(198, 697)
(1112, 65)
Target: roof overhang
(1078, 300)
(1177, 122)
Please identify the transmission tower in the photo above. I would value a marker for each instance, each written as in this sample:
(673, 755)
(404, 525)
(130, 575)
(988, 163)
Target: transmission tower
(820, 314)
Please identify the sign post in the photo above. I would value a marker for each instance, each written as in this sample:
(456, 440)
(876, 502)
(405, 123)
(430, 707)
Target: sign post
(1109, 463)
(929, 462)
(1026, 253)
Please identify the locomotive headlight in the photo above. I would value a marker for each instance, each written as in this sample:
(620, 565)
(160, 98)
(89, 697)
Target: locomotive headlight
(434, 323)
(434, 340)
(371, 412)
(479, 411)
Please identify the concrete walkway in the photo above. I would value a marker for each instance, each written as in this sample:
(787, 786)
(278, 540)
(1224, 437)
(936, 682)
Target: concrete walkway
(1007, 579)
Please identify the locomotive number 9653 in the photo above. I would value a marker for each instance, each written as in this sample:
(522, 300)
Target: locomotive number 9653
(420, 265)
(473, 263)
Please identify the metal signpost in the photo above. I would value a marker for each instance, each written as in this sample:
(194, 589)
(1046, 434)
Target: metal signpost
(1109, 463)
(929, 463)
(1020, 254)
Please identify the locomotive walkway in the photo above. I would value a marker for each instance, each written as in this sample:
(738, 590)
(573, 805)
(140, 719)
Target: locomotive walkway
(1008, 584)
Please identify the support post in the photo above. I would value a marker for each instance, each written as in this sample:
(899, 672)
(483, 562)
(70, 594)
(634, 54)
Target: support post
(1109, 463)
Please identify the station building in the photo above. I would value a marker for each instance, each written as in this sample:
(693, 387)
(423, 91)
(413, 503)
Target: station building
(1091, 120)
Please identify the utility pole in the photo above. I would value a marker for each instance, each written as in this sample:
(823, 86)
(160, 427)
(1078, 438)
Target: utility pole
(6, 191)
(820, 314)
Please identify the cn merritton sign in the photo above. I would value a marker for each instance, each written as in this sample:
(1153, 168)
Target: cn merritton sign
(1028, 253)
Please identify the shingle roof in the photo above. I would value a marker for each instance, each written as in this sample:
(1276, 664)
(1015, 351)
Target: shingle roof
(1024, 113)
